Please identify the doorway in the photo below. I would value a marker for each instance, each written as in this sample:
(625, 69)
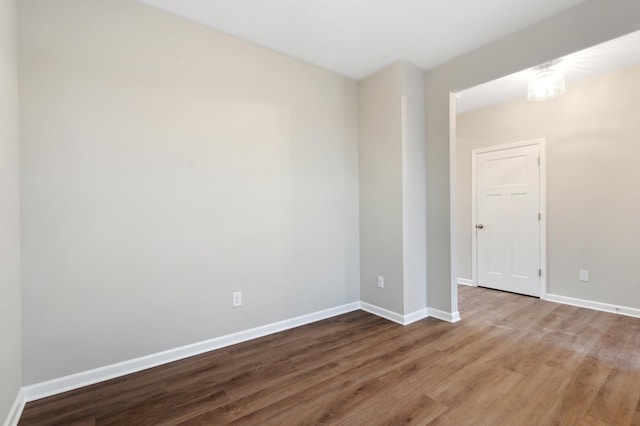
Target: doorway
(508, 218)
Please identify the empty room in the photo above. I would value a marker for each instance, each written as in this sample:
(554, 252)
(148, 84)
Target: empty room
(331, 212)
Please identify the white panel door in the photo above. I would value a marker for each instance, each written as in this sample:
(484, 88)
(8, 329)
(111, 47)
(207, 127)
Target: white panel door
(507, 219)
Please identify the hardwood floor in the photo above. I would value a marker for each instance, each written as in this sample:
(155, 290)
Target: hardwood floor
(512, 360)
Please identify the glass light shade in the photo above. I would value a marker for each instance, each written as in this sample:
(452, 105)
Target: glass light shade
(546, 85)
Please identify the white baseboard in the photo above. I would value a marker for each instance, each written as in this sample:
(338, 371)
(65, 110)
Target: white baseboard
(444, 316)
(85, 378)
(416, 316)
(410, 318)
(394, 316)
(598, 306)
(464, 281)
(382, 312)
(16, 410)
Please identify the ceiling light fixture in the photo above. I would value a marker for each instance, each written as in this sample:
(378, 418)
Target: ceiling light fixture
(546, 84)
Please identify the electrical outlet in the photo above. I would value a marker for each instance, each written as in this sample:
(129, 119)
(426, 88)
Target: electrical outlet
(584, 275)
(380, 281)
(237, 299)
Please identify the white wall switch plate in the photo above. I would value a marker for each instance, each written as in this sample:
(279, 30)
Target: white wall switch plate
(380, 281)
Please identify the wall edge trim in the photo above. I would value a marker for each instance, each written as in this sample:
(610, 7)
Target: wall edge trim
(382, 312)
(592, 304)
(465, 281)
(451, 317)
(89, 377)
(418, 315)
(85, 378)
(16, 409)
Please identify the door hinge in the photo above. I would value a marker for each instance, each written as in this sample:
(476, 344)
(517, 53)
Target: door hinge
(539, 272)
(539, 216)
(538, 161)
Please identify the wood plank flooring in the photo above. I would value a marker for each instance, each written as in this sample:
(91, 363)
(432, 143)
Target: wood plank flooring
(512, 360)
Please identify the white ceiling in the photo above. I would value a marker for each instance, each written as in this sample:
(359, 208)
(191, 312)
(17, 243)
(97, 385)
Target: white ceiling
(616, 54)
(357, 37)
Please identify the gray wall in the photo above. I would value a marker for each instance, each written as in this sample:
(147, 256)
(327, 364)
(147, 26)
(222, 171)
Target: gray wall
(392, 188)
(593, 191)
(10, 335)
(414, 190)
(381, 243)
(589, 23)
(164, 166)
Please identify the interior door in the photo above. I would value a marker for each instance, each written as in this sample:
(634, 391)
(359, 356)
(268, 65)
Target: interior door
(508, 219)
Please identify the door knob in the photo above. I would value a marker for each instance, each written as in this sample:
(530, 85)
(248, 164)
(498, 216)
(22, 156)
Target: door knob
(479, 226)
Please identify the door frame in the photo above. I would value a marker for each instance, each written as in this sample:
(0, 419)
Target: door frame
(540, 142)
